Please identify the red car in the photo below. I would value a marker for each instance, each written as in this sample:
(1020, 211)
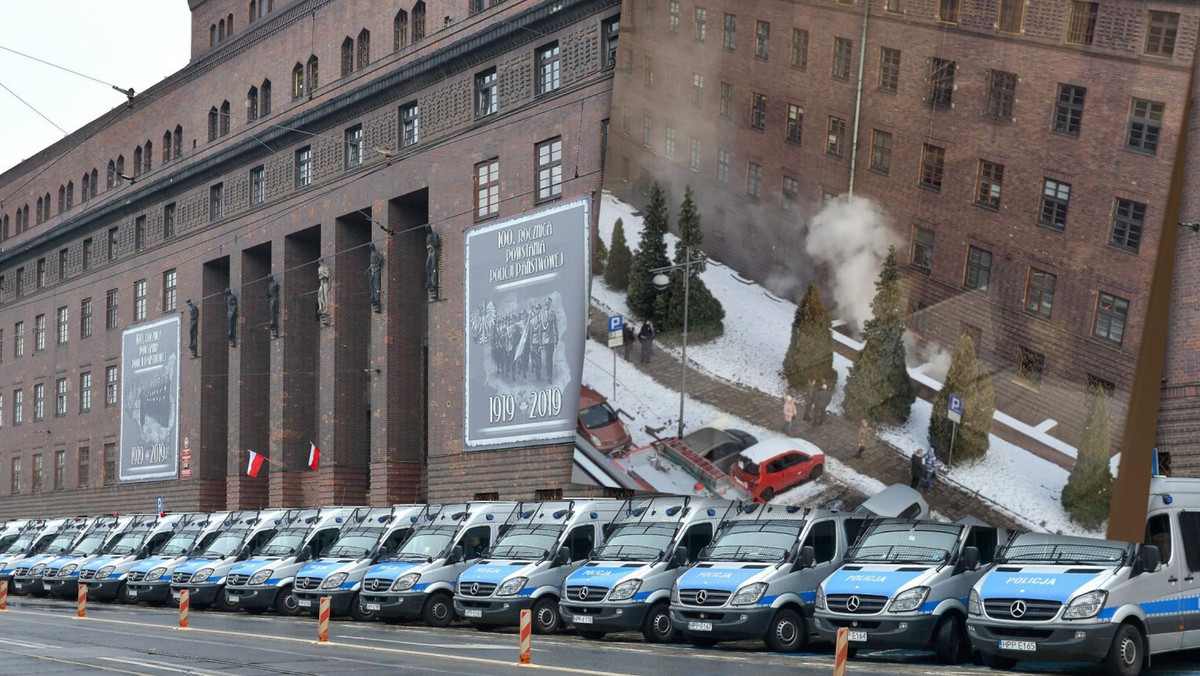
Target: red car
(775, 465)
(599, 423)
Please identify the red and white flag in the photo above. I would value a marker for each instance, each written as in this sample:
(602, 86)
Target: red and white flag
(314, 456)
(256, 463)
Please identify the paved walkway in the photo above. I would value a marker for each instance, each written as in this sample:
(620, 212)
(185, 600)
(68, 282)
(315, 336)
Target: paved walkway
(837, 437)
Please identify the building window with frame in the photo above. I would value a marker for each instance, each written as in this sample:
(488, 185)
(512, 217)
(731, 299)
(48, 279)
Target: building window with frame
(647, 72)
(410, 125)
(303, 165)
(264, 99)
(669, 143)
(673, 17)
(799, 49)
(1039, 298)
(941, 82)
(252, 104)
(169, 221)
(19, 340)
(62, 264)
(948, 11)
(39, 401)
(842, 57)
(312, 80)
(216, 202)
(1111, 314)
(60, 397)
(85, 392)
(701, 32)
(110, 464)
(487, 188)
(791, 193)
(795, 124)
(14, 486)
(1068, 109)
(611, 30)
(1161, 34)
(170, 290)
(549, 169)
(762, 40)
(224, 118)
(39, 281)
(1030, 366)
(486, 99)
(139, 300)
(37, 473)
(729, 36)
(694, 155)
(139, 233)
(85, 318)
(933, 167)
(548, 68)
(1011, 16)
(86, 259)
(18, 407)
(723, 160)
(726, 100)
(979, 269)
(1056, 197)
(63, 326)
(354, 147)
(297, 81)
(1081, 28)
(889, 69)
(881, 151)
(649, 13)
(110, 386)
(110, 309)
(754, 173)
(1001, 95)
(835, 136)
(39, 333)
(20, 282)
(113, 247)
(1145, 122)
(399, 31)
(85, 468)
(672, 80)
(258, 187)
(1129, 218)
(989, 182)
(364, 48)
(647, 130)
(758, 111)
(697, 89)
(922, 249)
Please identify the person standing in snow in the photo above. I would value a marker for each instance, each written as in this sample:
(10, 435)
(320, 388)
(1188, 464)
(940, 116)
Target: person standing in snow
(789, 412)
(918, 468)
(646, 335)
(930, 463)
(864, 437)
(627, 339)
(809, 391)
(820, 402)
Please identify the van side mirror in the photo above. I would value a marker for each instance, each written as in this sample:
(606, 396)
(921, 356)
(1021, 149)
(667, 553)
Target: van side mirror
(305, 554)
(1150, 558)
(143, 552)
(970, 558)
(679, 558)
(456, 555)
(243, 553)
(808, 557)
(563, 557)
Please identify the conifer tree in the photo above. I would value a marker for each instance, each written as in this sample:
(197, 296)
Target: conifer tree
(705, 313)
(1089, 486)
(968, 379)
(810, 354)
(599, 256)
(651, 254)
(616, 271)
(878, 388)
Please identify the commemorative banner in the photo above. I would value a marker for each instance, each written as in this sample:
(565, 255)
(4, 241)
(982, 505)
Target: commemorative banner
(150, 402)
(526, 323)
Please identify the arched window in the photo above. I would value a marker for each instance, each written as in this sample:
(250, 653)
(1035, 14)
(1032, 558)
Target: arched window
(312, 74)
(38, 214)
(364, 48)
(83, 192)
(418, 21)
(95, 183)
(224, 118)
(400, 31)
(178, 143)
(221, 29)
(229, 25)
(297, 81)
(253, 16)
(70, 194)
(4, 228)
(137, 161)
(149, 157)
(347, 57)
(252, 104)
(166, 146)
(120, 167)
(212, 35)
(212, 124)
(62, 198)
(265, 98)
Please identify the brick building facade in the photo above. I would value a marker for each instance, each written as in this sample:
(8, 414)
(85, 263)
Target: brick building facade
(1022, 151)
(301, 130)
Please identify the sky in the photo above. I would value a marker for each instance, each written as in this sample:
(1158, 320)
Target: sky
(99, 38)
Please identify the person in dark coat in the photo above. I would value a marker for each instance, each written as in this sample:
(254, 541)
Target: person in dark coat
(809, 391)
(930, 464)
(918, 468)
(821, 402)
(646, 336)
(628, 339)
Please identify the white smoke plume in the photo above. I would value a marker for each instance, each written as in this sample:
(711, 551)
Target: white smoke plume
(851, 237)
(932, 358)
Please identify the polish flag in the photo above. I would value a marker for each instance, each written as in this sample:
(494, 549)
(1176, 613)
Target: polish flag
(314, 456)
(256, 463)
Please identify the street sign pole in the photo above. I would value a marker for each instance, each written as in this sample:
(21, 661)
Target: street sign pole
(615, 340)
(954, 410)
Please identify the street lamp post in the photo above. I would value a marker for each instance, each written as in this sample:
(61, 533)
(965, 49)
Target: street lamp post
(661, 281)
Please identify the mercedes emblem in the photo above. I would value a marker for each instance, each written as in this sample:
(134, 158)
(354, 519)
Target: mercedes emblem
(701, 597)
(474, 589)
(1018, 608)
(583, 592)
(853, 603)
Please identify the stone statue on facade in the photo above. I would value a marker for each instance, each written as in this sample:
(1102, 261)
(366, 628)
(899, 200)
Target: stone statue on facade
(193, 327)
(273, 304)
(323, 277)
(375, 277)
(231, 308)
(433, 250)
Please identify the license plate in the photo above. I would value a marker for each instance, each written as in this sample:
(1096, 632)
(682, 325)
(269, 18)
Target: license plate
(175, 595)
(132, 592)
(699, 626)
(18, 585)
(581, 619)
(372, 606)
(857, 636)
(232, 598)
(304, 603)
(472, 612)
(1026, 646)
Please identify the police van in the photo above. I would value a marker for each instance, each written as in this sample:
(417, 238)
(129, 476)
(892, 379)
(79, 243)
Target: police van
(57, 539)
(759, 577)
(544, 543)
(265, 579)
(1062, 598)
(150, 579)
(105, 574)
(32, 538)
(625, 585)
(60, 576)
(904, 584)
(365, 537)
(10, 532)
(203, 575)
(417, 579)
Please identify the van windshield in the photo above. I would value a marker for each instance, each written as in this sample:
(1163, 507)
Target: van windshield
(284, 543)
(127, 543)
(597, 416)
(225, 544)
(356, 543)
(907, 543)
(754, 541)
(179, 543)
(21, 543)
(61, 543)
(89, 544)
(526, 542)
(1040, 549)
(637, 542)
(424, 544)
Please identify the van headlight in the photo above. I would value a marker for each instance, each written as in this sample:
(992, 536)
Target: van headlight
(974, 604)
(819, 602)
(1086, 605)
(155, 574)
(749, 594)
(333, 581)
(201, 575)
(260, 577)
(624, 590)
(909, 600)
(68, 569)
(105, 571)
(37, 570)
(675, 594)
(405, 582)
(512, 586)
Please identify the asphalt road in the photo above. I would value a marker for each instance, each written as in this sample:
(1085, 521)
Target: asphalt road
(44, 638)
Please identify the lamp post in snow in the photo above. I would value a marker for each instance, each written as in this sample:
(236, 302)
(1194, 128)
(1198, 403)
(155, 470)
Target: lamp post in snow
(661, 281)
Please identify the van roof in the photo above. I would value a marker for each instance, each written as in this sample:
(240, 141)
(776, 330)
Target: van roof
(767, 449)
(1177, 492)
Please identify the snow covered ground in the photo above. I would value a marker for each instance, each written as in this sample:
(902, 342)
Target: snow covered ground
(751, 356)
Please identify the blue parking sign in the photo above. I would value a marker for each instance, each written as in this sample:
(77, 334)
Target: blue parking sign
(956, 404)
(615, 323)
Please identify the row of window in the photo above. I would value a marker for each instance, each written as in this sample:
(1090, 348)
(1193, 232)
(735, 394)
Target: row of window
(58, 480)
(223, 28)
(61, 395)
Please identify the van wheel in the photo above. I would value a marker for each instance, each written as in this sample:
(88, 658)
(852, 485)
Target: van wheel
(223, 603)
(359, 612)
(438, 611)
(285, 602)
(124, 596)
(787, 633)
(592, 635)
(1125, 654)
(546, 619)
(993, 661)
(767, 494)
(658, 627)
(950, 641)
(701, 641)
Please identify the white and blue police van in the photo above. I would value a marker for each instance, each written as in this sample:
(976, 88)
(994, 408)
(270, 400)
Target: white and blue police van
(105, 574)
(759, 577)
(367, 535)
(904, 584)
(150, 579)
(66, 532)
(203, 575)
(625, 585)
(544, 543)
(416, 580)
(266, 578)
(35, 536)
(60, 576)
(10, 532)
(1062, 598)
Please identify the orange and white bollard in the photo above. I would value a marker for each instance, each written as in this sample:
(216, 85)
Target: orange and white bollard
(3, 594)
(81, 602)
(323, 620)
(840, 652)
(183, 609)
(526, 632)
